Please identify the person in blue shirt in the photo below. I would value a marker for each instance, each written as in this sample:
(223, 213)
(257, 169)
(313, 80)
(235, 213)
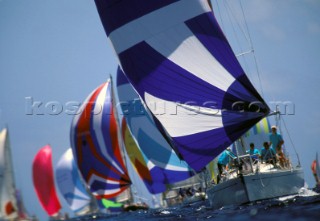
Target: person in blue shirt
(223, 160)
(276, 141)
(254, 153)
(268, 154)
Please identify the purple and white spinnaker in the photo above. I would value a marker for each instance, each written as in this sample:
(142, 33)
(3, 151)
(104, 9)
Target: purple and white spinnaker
(180, 63)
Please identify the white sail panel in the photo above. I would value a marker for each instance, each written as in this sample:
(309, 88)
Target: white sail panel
(179, 45)
(173, 117)
(144, 28)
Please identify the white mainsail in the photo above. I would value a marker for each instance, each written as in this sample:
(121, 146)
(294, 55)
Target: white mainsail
(8, 203)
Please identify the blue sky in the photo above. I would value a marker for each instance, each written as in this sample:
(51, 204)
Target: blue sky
(58, 51)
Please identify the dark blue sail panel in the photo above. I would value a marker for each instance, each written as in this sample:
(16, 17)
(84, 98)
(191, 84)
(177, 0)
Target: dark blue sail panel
(126, 11)
(178, 60)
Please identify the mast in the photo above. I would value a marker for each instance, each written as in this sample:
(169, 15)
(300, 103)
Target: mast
(2, 169)
(133, 192)
(120, 140)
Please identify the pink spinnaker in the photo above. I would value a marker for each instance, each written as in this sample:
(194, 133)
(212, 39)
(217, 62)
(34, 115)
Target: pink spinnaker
(43, 181)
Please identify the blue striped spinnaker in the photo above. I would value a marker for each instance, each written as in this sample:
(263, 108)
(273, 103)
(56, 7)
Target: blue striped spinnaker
(180, 63)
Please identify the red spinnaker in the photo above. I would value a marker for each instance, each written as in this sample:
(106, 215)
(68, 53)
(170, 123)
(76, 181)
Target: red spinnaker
(43, 181)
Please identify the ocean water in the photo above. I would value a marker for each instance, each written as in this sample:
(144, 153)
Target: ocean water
(293, 208)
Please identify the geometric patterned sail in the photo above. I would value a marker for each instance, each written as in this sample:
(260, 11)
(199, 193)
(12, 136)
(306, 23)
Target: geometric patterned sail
(95, 146)
(151, 155)
(70, 184)
(180, 63)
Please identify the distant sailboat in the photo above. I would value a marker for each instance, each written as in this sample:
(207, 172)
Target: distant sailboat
(43, 181)
(11, 206)
(71, 185)
(94, 141)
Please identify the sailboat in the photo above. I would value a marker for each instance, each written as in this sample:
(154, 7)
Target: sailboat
(252, 179)
(72, 187)
(44, 184)
(315, 167)
(179, 61)
(95, 146)
(11, 206)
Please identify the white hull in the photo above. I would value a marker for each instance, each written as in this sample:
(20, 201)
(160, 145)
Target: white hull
(258, 186)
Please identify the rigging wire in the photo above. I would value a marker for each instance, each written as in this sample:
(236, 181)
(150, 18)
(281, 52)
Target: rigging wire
(251, 45)
(294, 148)
(222, 24)
(246, 36)
(235, 32)
(246, 33)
